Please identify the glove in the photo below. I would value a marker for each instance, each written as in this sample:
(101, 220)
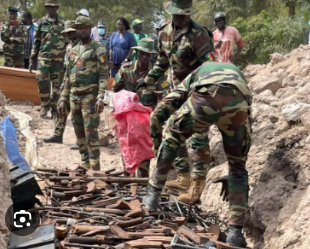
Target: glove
(140, 83)
(225, 186)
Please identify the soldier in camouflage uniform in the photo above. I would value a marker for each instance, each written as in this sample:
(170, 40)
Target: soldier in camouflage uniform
(218, 96)
(85, 83)
(61, 120)
(13, 34)
(128, 75)
(50, 48)
(183, 46)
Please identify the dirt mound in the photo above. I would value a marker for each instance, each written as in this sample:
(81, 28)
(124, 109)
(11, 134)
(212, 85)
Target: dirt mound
(279, 159)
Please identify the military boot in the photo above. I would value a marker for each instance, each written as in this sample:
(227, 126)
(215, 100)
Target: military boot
(151, 200)
(53, 139)
(74, 147)
(235, 237)
(194, 192)
(54, 117)
(44, 111)
(181, 184)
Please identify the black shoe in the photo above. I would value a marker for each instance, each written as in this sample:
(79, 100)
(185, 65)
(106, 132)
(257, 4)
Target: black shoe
(151, 200)
(44, 110)
(74, 147)
(235, 237)
(53, 139)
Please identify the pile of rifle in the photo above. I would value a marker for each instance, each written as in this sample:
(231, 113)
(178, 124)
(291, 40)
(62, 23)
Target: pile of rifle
(104, 210)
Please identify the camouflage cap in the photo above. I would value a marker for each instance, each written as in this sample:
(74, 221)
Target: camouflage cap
(136, 22)
(180, 7)
(82, 21)
(53, 3)
(69, 27)
(146, 45)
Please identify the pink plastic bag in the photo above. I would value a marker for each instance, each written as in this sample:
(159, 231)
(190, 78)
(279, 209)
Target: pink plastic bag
(122, 99)
(133, 128)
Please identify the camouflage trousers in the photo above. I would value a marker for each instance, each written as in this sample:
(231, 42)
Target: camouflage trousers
(86, 122)
(229, 111)
(61, 121)
(199, 141)
(14, 61)
(50, 72)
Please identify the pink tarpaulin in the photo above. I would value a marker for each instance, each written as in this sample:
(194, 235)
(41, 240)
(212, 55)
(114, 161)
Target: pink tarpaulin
(133, 129)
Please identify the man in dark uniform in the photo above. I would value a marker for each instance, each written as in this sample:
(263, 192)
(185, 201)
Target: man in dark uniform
(103, 37)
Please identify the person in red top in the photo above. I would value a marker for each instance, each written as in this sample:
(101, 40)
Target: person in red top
(225, 38)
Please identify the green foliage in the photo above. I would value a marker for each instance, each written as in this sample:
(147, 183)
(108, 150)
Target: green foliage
(267, 26)
(265, 34)
(151, 11)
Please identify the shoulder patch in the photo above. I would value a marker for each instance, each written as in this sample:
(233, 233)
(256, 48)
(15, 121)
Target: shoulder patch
(99, 48)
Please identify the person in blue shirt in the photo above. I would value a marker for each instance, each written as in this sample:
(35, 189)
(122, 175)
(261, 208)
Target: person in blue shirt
(121, 43)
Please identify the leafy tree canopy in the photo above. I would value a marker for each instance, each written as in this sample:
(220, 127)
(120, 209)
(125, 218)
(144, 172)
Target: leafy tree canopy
(267, 26)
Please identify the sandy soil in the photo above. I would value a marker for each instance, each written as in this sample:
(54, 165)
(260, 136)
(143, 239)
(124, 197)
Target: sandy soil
(59, 155)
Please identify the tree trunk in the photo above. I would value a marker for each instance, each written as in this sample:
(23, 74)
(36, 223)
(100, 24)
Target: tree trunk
(23, 4)
(291, 8)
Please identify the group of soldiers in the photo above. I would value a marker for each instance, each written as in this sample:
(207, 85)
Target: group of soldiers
(205, 93)
(13, 35)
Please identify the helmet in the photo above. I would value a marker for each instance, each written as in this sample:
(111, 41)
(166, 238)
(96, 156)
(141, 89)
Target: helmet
(220, 15)
(101, 24)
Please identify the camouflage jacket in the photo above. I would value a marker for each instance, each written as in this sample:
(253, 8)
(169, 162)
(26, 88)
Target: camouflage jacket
(87, 71)
(68, 48)
(213, 73)
(49, 42)
(127, 77)
(14, 38)
(184, 50)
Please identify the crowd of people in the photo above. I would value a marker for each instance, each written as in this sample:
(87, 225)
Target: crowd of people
(74, 61)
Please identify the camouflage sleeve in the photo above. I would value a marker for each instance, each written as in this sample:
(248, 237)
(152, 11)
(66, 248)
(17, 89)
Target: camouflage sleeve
(103, 71)
(178, 97)
(160, 67)
(37, 42)
(20, 35)
(185, 85)
(5, 36)
(66, 88)
(203, 46)
(119, 79)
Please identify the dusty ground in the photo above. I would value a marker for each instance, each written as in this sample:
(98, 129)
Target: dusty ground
(60, 155)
